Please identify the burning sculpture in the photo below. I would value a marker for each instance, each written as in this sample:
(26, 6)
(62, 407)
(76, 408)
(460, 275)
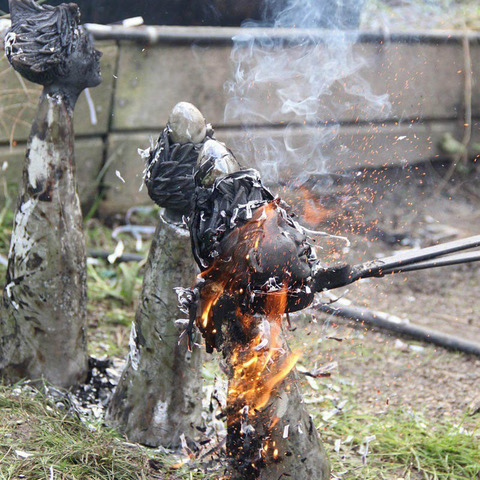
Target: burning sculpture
(156, 400)
(43, 317)
(258, 263)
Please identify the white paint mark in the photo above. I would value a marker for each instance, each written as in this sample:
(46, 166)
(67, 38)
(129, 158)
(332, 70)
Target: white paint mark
(4, 166)
(51, 105)
(160, 414)
(21, 240)
(134, 354)
(285, 431)
(40, 152)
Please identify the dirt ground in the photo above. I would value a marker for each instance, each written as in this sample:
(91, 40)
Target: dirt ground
(385, 370)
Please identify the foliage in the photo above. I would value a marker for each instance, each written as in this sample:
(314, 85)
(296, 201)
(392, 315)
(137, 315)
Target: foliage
(40, 440)
(405, 445)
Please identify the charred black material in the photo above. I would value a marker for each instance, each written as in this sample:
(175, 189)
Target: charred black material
(219, 210)
(46, 45)
(169, 173)
(248, 247)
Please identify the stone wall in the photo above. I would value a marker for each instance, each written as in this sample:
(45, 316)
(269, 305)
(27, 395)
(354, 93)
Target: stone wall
(142, 82)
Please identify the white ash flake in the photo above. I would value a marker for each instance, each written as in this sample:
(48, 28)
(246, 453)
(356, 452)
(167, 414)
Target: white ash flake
(118, 252)
(22, 454)
(363, 451)
(119, 175)
(9, 41)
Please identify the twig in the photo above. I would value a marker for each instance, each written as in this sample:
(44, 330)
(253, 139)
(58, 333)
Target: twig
(394, 324)
(462, 154)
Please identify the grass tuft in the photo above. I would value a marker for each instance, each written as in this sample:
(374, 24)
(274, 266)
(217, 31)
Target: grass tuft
(39, 440)
(403, 445)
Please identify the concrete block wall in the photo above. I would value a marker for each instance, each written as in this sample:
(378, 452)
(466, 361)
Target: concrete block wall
(423, 75)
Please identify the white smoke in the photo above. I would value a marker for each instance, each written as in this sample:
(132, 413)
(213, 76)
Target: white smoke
(301, 77)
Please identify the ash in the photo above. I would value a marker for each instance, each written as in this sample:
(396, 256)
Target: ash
(89, 401)
(91, 398)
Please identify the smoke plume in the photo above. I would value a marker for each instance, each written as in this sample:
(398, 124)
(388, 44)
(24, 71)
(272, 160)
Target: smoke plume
(299, 78)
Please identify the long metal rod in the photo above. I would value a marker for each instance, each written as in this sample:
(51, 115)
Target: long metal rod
(225, 35)
(387, 322)
(395, 263)
(439, 262)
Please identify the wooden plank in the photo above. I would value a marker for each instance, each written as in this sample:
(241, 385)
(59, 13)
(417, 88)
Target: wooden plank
(354, 147)
(89, 157)
(19, 99)
(337, 148)
(422, 80)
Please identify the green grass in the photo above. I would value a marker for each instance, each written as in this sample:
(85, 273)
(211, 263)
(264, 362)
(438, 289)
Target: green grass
(37, 438)
(405, 446)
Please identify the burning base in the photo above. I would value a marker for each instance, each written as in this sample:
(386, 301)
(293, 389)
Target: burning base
(256, 266)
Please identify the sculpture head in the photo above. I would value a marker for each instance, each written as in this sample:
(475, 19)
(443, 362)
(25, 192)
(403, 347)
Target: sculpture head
(171, 161)
(215, 161)
(46, 45)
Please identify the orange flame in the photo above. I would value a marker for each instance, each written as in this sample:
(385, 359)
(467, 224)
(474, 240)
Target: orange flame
(313, 213)
(264, 362)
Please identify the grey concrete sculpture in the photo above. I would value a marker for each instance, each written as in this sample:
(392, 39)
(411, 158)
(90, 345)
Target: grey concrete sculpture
(159, 394)
(42, 328)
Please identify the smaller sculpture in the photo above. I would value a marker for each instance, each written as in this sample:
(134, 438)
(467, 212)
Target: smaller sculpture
(42, 329)
(156, 400)
(171, 161)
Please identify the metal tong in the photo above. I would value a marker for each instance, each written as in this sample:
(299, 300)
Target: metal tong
(437, 256)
